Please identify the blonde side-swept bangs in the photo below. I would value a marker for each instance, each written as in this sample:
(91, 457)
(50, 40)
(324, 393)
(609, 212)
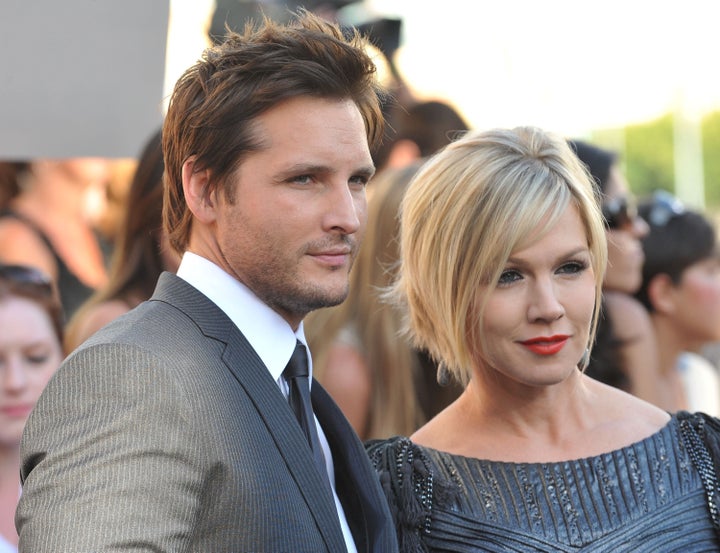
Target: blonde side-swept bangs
(467, 209)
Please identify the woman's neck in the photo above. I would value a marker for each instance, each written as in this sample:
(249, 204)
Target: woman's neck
(671, 342)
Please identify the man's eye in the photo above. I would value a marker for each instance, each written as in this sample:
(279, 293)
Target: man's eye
(360, 180)
(301, 179)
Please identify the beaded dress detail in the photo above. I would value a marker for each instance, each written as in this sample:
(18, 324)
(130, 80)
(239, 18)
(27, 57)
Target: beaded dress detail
(646, 497)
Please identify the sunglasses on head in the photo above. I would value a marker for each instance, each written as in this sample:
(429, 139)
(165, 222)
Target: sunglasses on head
(619, 212)
(663, 208)
(22, 274)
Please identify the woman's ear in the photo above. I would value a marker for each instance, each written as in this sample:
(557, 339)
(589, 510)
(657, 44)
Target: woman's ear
(661, 292)
(195, 188)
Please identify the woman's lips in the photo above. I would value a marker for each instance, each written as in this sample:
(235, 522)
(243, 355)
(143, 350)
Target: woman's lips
(546, 345)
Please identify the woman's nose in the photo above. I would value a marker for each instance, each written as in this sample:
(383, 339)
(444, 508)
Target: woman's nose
(12, 374)
(544, 303)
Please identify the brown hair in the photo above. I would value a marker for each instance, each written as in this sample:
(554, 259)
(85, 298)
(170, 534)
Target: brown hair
(32, 284)
(215, 102)
(137, 259)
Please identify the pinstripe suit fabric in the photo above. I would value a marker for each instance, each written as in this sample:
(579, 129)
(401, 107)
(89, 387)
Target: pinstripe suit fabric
(165, 432)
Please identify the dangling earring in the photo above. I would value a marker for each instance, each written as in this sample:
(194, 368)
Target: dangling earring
(585, 359)
(443, 375)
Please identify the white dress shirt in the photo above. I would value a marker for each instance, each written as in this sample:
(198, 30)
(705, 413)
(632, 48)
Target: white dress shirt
(268, 333)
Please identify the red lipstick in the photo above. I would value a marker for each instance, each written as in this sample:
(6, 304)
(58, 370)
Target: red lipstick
(546, 345)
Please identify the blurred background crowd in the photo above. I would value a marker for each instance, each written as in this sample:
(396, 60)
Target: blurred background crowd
(80, 209)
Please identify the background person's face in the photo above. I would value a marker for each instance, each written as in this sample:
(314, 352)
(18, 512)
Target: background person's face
(625, 253)
(29, 355)
(696, 304)
(300, 208)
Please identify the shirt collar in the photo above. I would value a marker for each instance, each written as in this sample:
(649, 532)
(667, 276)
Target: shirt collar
(268, 333)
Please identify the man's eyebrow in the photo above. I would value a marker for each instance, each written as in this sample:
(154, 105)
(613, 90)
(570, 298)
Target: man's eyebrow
(366, 171)
(299, 168)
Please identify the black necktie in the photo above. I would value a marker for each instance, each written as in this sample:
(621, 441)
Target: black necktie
(297, 377)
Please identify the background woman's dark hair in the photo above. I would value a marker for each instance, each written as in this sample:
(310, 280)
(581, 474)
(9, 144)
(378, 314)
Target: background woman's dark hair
(10, 172)
(137, 259)
(606, 363)
(598, 161)
(31, 284)
(673, 246)
(605, 359)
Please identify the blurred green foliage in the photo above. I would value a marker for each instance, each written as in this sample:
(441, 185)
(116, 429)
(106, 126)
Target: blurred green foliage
(646, 151)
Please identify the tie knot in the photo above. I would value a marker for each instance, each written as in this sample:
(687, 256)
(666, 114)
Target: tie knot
(298, 364)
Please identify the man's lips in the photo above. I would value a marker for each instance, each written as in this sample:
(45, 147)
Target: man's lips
(546, 345)
(333, 257)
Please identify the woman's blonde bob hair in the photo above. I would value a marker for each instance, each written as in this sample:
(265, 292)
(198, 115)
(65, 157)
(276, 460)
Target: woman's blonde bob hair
(467, 209)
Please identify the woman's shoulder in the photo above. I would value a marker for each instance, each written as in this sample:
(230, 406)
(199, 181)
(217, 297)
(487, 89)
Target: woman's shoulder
(92, 318)
(412, 484)
(384, 453)
(706, 426)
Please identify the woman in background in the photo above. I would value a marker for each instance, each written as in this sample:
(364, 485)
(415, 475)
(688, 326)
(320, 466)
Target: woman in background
(681, 291)
(30, 352)
(140, 253)
(503, 252)
(49, 224)
(625, 353)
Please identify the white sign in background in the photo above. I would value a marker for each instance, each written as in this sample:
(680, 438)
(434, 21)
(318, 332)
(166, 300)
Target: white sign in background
(80, 77)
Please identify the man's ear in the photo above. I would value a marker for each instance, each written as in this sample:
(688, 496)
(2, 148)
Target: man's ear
(195, 188)
(661, 292)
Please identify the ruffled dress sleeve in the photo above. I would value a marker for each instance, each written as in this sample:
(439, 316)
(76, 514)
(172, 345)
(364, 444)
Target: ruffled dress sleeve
(701, 434)
(412, 486)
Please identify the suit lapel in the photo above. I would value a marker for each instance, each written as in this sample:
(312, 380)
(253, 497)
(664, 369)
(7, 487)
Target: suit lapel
(243, 362)
(356, 482)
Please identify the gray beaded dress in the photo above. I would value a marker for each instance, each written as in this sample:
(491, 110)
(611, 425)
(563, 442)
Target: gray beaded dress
(653, 496)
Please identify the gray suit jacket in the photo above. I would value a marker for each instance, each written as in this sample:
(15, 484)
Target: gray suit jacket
(165, 432)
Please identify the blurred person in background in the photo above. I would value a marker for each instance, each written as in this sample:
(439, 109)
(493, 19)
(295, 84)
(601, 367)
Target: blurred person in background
(419, 130)
(141, 251)
(625, 353)
(30, 352)
(681, 290)
(383, 385)
(9, 187)
(49, 224)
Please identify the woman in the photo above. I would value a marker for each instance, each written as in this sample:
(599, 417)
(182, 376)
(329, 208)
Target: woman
(140, 254)
(681, 291)
(48, 224)
(30, 352)
(503, 253)
(625, 354)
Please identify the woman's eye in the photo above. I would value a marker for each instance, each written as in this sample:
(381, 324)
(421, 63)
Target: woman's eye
(572, 268)
(509, 276)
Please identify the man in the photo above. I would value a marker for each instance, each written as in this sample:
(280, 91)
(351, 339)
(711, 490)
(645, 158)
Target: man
(169, 430)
